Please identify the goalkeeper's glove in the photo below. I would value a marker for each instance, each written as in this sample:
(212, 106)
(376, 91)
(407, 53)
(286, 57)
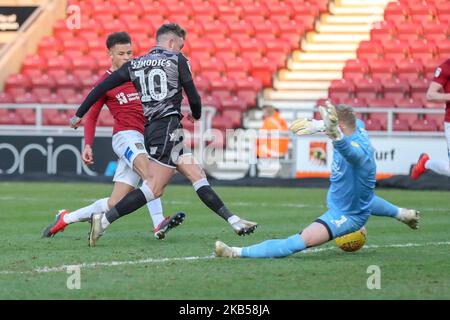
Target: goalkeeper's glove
(304, 126)
(330, 119)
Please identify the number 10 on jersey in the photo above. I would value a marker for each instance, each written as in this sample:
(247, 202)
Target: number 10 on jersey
(149, 92)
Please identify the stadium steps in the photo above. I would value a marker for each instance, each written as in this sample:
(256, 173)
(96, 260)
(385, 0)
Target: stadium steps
(323, 53)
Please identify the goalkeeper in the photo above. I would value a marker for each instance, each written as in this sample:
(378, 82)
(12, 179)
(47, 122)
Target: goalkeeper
(351, 198)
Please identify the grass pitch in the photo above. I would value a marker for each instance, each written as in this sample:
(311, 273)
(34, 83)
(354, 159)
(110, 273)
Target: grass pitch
(129, 264)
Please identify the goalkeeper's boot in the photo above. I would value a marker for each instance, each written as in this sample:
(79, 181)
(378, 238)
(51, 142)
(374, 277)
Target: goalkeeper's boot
(419, 168)
(167, 224)
(56, 226)
(409, 217)
(243, 227)
(222, 250)
(96, 229)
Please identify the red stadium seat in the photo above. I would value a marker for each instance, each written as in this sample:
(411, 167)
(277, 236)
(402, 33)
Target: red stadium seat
(369, 50)
(381, 103)
(27, 97)
(44, 81)
(407, 31)
(54, 117)
(355, 102)
(368, 88)
(222, 123)
(234, 103)
(60, 62)
(356, 69)
(28, 115)
(222, 84)
(10, 117)
(383, 31)
(34, 62)
(396, 50)
(381, 117)
(6, 97)
(419, 88)
(76, 99)
(410, 103)
(424, 125)
(395, 12)
(248, 96)
(68, 81)
(234, 115)
(382, 69)
(52, 98)
(435, 31)
(410, 118)
(342, 88)
(400, 125)
(51, 44)
(420, 11)
(422, 49)
(374, 125)
(409, 69)
(444, 49)
(17, 81)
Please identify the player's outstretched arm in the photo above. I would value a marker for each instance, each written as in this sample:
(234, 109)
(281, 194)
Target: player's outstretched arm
(305, 126)
(435, 93)
(116, 78)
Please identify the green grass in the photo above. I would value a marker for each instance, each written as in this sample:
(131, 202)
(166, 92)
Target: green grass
(415, 272)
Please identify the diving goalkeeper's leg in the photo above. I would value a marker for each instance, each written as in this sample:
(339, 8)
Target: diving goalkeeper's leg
(383, 208)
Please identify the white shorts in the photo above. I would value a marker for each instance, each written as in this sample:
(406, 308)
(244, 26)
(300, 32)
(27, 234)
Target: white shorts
(447, 137)
(127, 145)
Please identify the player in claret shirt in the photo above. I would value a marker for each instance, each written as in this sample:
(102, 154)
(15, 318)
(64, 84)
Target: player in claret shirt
(128, 143)
(159, 77)
(438, 91)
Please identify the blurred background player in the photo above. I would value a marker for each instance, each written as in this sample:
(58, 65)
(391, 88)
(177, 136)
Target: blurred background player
(349, 198)
(128, 143)
(268, 146)
(159, 77)
(438, 91)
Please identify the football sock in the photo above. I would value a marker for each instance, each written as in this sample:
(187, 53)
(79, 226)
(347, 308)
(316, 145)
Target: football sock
(85, 213)
(156, 211)
(275, 248)
(382, 208)
(130, 203)
(211, 199)
(439, 166)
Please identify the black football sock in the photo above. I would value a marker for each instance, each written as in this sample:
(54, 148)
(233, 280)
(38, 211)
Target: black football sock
(131, 202)
(212, 201)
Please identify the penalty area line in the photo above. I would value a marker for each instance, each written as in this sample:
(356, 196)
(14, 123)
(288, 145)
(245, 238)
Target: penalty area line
(94, 265)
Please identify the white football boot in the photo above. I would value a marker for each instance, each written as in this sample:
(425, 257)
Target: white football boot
(409, 217)
(222, 250)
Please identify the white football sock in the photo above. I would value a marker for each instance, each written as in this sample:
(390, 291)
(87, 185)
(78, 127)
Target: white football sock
(105, 222)
(439, 166)
(85, 213)
(233, 219)
(156, 211)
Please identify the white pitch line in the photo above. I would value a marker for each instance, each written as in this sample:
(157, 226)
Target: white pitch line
(93, 265)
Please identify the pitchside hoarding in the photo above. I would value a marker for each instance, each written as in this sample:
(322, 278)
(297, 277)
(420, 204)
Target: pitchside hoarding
(52, 155)
(394, 155)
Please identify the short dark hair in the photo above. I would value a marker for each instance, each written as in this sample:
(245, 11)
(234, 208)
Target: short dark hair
(171, 28)
(117, 38)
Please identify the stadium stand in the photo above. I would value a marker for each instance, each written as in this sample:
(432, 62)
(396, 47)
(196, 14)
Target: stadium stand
(247, 53)
(231, 45)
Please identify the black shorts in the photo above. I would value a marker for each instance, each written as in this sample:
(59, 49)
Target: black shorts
(164, 140)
